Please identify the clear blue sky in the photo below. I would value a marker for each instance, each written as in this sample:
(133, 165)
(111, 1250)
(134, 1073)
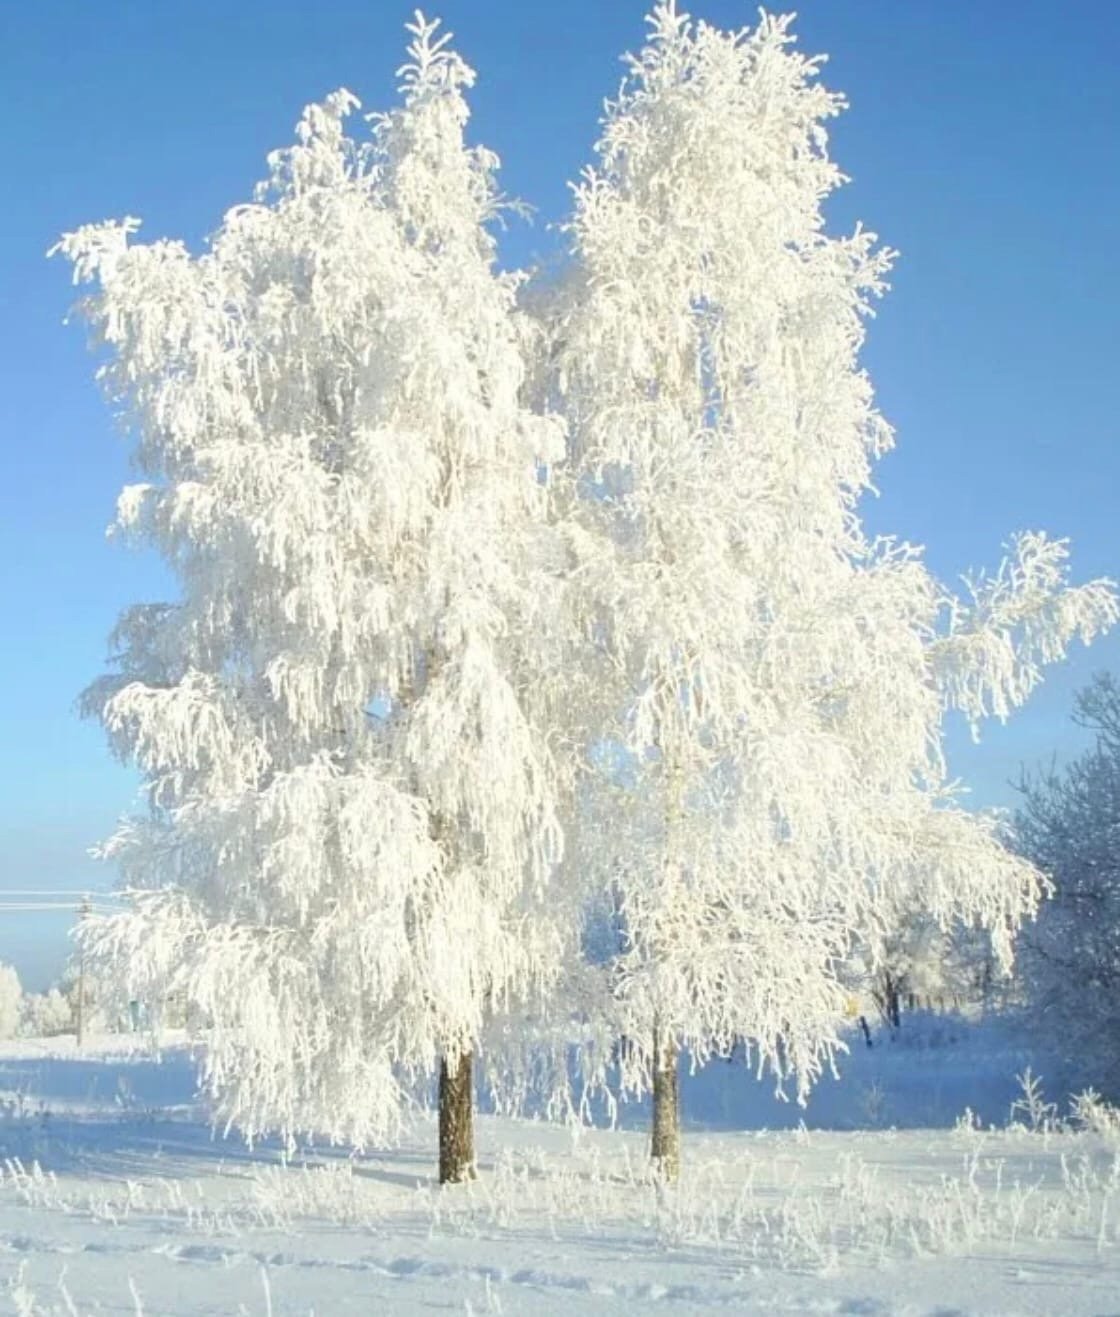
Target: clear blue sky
(982, 142)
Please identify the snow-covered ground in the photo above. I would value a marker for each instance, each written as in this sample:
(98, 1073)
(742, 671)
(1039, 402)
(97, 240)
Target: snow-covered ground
(115, 1198)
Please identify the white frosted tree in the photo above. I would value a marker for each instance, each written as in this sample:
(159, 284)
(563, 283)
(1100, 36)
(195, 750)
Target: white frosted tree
(11, 1001)
(342, 722)
(1069, 968)
(779, 679)
(47, 1014)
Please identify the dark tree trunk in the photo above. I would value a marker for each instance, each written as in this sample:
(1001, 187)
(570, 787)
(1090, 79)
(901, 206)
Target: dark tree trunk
(889, 999)
(456, 1120)
(665, 1140)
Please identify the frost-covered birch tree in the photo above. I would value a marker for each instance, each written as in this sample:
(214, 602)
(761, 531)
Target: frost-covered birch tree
(342, 721)
(779, 679)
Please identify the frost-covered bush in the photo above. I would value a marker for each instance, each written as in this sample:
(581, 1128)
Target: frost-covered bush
(1089, 1111)
(11, 997)
(1032, 1110)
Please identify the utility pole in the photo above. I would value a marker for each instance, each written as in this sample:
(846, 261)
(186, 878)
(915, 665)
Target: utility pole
(80, 998)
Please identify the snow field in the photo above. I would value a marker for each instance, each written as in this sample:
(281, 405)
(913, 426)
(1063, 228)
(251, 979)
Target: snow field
(112, 1204)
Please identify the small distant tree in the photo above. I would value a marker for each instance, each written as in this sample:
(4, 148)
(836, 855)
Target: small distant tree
(11, 1001)
(343, 721)
(911, 951)
(1069, 962)
(778, 679)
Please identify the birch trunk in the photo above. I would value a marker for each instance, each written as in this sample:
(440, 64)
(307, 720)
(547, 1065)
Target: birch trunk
(456, 1119)
(665, 1140)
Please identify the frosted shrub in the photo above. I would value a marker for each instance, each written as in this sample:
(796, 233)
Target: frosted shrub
(331, 1193)
(1089, 1111)
(1032, 1109)
(968, 1123)
(31, 1185)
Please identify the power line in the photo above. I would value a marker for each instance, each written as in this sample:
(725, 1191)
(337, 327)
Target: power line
(17, 906)
(47, 892)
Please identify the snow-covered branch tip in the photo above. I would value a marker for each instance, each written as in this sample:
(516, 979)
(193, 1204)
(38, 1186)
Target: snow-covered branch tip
(431, 66)
(1017, 621)
(95, 249)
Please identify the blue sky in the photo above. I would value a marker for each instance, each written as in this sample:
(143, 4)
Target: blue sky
(981, 142)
